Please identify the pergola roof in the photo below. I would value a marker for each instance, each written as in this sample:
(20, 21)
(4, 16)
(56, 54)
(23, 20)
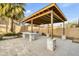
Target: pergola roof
(43, 16)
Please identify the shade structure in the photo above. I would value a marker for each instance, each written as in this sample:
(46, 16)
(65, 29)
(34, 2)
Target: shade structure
(49, 14)
(43, 16)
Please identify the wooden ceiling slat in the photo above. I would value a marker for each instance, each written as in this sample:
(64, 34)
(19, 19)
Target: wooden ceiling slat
(48, 15)
(40, 21)
(60, 11)
(44, 19)
(38, 16)
(47, 7)
(43, 16)
(58, 16)
(37, 21)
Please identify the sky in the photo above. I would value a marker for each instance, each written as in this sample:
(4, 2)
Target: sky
(70, 10)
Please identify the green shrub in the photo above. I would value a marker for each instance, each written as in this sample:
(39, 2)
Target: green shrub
(13, 34)
(10, 34)
(1, 37)
(19, 34)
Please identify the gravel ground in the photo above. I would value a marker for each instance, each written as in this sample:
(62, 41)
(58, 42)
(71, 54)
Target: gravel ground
(22, 47)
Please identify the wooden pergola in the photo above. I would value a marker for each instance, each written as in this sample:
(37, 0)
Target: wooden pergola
(49, 14)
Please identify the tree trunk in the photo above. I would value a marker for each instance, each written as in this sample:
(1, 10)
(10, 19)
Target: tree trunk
(12, 26)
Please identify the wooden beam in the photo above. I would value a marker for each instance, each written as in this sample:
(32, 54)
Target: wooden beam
(40, 21)
(52, 24)
(38, 16)
(42, 10)
(46, 17)
(44, 20)
(60, 11)
(58, 16)
(41, 15)
(56, 19)
(37, 21)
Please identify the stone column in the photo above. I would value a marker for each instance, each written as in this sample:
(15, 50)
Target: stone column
(23, 36)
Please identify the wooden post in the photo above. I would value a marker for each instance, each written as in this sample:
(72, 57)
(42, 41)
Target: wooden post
(39, 28)
(31, 25)
(63, 29)
(24, 27)
(63, 36)
(51, 42)
(52, 24)
(48, 30)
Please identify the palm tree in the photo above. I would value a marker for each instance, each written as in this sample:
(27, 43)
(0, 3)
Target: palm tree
(14, 11)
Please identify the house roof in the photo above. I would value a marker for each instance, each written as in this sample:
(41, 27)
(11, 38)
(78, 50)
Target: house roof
(43, 16)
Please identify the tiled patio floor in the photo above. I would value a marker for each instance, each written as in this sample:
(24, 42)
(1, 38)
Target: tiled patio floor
(23, 47)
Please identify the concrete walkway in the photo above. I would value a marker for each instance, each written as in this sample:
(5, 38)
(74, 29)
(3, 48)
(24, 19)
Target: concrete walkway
(22, 47)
